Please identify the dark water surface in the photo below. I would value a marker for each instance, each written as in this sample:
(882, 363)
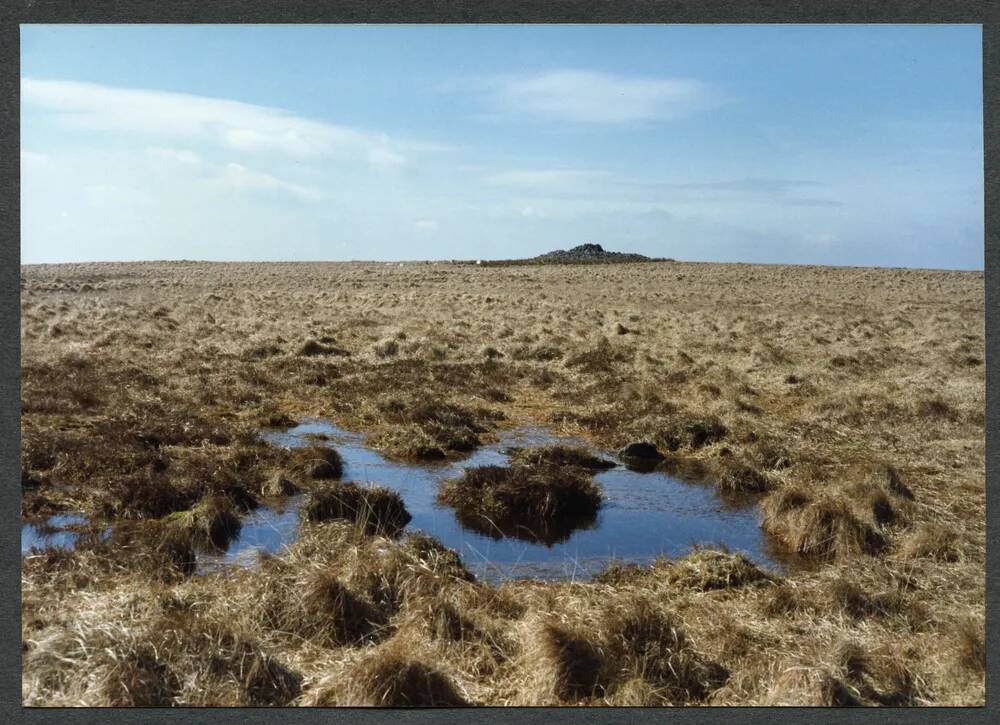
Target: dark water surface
(643, 515)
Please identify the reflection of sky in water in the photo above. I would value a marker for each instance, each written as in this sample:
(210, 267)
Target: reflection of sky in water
(643, 515)
(267, 528)
(51, 534)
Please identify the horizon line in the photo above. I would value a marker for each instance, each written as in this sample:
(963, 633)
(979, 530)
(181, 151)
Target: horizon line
(525, 261)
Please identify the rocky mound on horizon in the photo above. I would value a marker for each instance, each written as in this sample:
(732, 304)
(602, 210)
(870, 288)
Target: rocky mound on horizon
(589, 253)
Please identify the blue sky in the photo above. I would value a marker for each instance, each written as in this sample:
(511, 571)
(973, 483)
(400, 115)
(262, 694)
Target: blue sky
(858, 145)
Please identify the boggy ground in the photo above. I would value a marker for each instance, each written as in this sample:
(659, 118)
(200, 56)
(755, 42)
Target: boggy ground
(849, 401)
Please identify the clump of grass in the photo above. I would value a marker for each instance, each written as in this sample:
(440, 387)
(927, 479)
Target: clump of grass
(853, 600)
(374, 509)
(259, 352)
(388, 676)
(155, 547)
(564, 663)
(328, 613)
(740, 478)
(228, 667)
(707, 569)
(409, 442)
(320, 462)
(430, 426)
(277, 420)
(877, 501)
(971, 644)
(936, 408)
(895, 483)
(535, 502)
(781, 600)
(601, 358)
(833, 692)
(537, 353)
(279, 485)
(645, 640)
(141, 647)
(871, 678)
(933, 541)
(825, 527)
(311, 348)
(694, 433)
(211, 523)
(771, 456)
(151, 497)
(138, 679)
(435, 556)
(449, 624)
(558, 455)
(387, 347)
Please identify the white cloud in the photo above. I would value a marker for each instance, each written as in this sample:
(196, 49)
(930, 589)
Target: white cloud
(426, 225)
(232, 124)
(240, 177)
(594, 97)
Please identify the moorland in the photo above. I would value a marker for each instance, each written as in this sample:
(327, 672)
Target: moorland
(848, 403)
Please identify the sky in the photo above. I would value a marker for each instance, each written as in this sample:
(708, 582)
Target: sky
(846, 145)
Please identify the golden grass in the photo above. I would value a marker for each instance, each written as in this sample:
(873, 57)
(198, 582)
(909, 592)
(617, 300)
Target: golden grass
(850, 401)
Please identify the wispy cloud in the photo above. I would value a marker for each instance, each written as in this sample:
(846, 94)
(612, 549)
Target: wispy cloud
(186, 166)
(232, 124)
(599, 186)
(592, 97)
(787, 192)
(240, 177)
(544, 178)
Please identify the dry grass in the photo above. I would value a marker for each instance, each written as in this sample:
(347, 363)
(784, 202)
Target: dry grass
(855, 397)
(373, 509)
(542, 501)
(560, 456)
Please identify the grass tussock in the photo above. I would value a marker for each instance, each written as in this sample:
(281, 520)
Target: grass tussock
(410, 442)
(737, 478)
(319, 462)
(692, 433)
(707, 569)
(279, 485)
(165, 550)
(971, 644)
(327, 612)
(312, 348)
(565, 664)
(373, 509)
(388, 677)
(646, 641)
(560, 456)
(536, 502)
(822, 527)
(429, 429)
(933, 541)
(212, 523)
